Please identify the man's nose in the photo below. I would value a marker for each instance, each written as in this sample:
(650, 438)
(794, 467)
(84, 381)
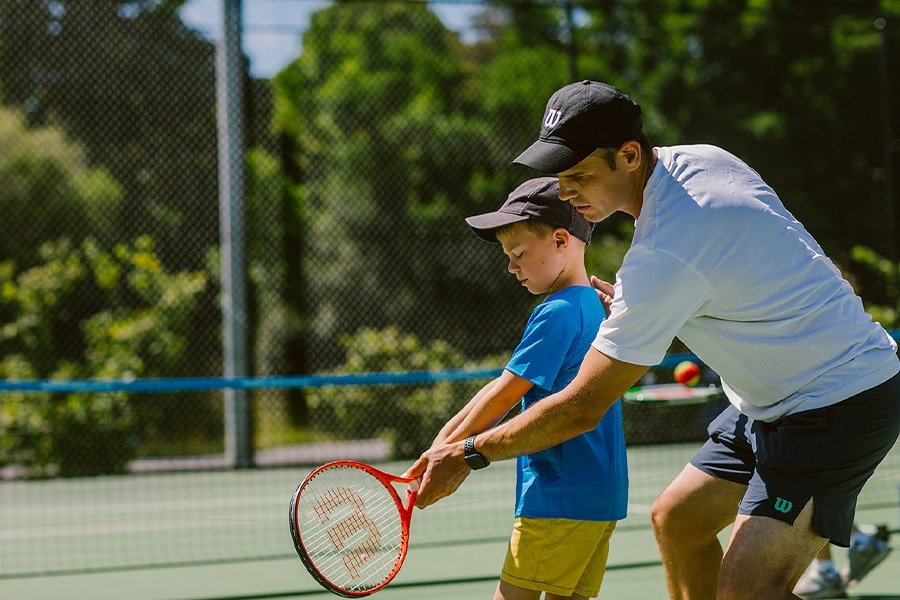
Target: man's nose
(566, 192)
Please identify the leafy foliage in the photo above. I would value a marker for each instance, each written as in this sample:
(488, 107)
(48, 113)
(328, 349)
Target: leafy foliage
(138, 328)
(49, 190)
(409, 415)
(388, 130)
(882, 296)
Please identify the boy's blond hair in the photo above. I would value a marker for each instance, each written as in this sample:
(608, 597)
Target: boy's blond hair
(538, 228)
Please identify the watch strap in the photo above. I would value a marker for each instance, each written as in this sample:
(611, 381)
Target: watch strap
(475, 459)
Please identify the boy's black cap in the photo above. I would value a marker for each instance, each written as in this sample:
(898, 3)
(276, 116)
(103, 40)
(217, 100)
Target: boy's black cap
(580, 118)
(534, 199)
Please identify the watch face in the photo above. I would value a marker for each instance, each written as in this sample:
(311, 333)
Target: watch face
(476, 461)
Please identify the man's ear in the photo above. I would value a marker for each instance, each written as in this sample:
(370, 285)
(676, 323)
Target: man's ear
(632, 154)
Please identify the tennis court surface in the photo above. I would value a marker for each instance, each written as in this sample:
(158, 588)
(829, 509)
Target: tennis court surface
(223, 535)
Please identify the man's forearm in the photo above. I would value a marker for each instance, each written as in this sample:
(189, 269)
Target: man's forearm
(552, 421)
(565, 414)
(599, 383)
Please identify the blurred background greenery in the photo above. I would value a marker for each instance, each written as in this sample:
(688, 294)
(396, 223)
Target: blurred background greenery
(364, 155)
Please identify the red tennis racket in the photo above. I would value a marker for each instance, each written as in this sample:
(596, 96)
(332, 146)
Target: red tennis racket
(350, 527)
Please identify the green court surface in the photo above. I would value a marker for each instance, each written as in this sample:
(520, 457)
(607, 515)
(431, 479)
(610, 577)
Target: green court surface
(223, 535)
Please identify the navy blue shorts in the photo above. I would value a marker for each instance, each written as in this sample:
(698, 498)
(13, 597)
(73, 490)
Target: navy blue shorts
(825, 455)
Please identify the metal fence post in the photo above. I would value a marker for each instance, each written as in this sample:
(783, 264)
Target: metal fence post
(230, 102)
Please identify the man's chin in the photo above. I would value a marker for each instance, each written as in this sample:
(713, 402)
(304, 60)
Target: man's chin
(589, 214)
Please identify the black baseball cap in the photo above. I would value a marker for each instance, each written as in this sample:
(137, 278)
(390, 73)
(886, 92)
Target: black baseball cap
(534, 199)
(580, 118)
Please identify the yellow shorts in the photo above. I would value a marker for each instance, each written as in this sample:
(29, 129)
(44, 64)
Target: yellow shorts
(560, 556)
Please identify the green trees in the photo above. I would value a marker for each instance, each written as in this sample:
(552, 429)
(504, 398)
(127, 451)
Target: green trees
(49, 190)
(137, 90)
(796, 88)
(87, 286)
(390, 150)
(395, 132)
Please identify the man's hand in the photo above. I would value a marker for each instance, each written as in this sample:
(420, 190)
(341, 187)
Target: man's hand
(441, 470)
(605, 292)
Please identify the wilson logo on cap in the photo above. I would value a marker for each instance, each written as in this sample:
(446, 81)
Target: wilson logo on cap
(553, 117)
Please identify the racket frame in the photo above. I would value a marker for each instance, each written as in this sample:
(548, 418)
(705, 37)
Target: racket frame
(405, 512)
(672, 394)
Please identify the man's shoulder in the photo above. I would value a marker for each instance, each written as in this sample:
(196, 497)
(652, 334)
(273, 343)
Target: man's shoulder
(700, 164)
(694, 152)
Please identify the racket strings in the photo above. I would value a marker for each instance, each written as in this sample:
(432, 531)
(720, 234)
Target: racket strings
(360, 544)
(351, 528)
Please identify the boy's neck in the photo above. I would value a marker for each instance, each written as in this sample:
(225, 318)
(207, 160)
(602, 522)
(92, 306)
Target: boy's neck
(578, 277)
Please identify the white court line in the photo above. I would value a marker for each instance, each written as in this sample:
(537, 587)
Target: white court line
(127, 507)
(55, 532)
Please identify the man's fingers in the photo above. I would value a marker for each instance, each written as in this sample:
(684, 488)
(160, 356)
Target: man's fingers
(421, 469)
(433, 490)
(602, 286)
(441, 471)
(417, 468)
(605, 291)
(424, 498)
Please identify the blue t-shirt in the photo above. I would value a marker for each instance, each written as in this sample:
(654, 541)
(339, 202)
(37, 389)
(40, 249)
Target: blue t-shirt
(585, 477)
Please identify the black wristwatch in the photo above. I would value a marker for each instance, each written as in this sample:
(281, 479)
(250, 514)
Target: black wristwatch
(475, 459)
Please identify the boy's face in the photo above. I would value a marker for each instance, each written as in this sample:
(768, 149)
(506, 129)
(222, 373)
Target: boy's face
(536, 261)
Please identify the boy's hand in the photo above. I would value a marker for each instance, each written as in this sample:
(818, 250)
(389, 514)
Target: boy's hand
(605, 292)
(441, 470)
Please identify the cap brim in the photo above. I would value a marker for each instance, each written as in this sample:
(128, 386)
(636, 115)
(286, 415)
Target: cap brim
(485, 226)
(549, 157)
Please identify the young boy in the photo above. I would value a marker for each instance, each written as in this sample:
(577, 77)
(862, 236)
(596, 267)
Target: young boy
(570, 496)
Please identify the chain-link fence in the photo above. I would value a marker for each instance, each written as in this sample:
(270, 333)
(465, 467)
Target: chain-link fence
(363, 157)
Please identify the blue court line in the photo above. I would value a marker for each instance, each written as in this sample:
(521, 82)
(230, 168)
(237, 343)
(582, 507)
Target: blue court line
(187, 384)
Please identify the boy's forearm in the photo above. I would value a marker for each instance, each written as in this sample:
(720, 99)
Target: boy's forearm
(491, 407)
(481, 417)
(458, 418)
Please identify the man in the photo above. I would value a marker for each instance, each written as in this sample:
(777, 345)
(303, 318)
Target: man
(719, 262)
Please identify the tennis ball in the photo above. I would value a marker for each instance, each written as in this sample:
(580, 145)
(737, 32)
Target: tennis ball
(687, 373)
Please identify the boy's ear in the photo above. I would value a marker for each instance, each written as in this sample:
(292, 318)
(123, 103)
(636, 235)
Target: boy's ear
(561, 237)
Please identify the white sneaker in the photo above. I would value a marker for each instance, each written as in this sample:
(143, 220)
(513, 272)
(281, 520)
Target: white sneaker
(820, 584)
(866, 552)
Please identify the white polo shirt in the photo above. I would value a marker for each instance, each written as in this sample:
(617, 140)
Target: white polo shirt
(720, 263)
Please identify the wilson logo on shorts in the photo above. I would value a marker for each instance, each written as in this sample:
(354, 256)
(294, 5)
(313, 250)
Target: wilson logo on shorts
(783, 506)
